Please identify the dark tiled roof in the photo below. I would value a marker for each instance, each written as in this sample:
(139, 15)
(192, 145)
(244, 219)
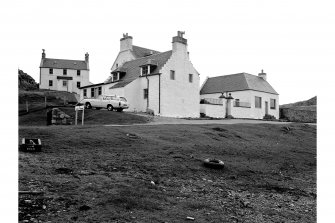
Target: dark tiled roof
(236, 82)
(92, 85)
(64, 64)
(122, 83)
(142, 52)
(133, 69)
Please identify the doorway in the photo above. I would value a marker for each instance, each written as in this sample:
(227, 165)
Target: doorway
(266, 108)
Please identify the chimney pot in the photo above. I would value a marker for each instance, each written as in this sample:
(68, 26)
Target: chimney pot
(43, 53)
(262, 75)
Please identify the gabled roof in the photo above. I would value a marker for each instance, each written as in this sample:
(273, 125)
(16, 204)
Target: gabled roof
(236, 82)
(64, 64)
(142, 52)
(133, 70)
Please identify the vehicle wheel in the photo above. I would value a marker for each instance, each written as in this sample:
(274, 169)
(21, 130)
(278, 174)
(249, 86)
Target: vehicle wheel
(119, 109)
(109, 107)
(214, 163)
(88, 105)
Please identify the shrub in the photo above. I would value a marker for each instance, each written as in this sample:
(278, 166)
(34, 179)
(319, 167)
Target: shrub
(150, 111)
(269, 117)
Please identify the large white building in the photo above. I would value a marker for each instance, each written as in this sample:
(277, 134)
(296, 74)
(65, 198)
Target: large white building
(64, 75)
(252, 96)
(164, 82)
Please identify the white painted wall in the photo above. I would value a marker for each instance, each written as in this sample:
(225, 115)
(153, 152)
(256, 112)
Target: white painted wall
(122, 57)
(58, 83)
(179, 97)
(215, 111)
(249, 96)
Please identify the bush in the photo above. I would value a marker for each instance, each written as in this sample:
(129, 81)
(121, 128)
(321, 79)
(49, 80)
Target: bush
(269, 117)
(150, 111)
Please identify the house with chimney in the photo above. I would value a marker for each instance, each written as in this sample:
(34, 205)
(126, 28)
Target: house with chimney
(239, 95)
(63, 74)
(165, 83)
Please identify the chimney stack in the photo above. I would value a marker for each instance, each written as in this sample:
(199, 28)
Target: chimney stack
(43, 54)
(262, 75)
(86, 57)
(179, 43)
(126, 42)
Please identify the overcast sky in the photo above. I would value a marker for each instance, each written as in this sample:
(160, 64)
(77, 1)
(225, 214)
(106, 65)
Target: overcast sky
(288, 39)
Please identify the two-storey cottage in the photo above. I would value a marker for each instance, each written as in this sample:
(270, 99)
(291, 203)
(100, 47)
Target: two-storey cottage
(64, 75)
(164, 82)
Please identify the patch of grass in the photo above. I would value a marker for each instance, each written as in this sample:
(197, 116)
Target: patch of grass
(111, 170)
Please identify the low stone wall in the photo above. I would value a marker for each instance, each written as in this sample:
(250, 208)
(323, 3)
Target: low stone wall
(298, 115)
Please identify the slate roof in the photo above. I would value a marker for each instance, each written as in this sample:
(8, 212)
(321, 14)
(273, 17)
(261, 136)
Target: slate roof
(64, 64)
(133, 70)
(236, 82)
(142, 52)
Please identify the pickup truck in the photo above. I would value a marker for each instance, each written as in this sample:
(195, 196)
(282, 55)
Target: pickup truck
(111, 102)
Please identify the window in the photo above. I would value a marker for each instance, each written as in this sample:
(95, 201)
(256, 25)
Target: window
(99, 90)
(258, 102)
(145, 91)
(64, 72)
(237, 102)
(78, 84)
(144, 70)
(78, 72)
(92, 92)
(115, 77)
(85, 92)
(273, 103)
(50, 83)
(64, 83)
(51, 71)
(172, 76)
(190, 78)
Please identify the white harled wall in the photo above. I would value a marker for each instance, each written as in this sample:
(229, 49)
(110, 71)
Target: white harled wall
(249, 96)
(179, 97)
(58, 83)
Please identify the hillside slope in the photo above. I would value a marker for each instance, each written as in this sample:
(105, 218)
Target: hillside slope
(26, 82)
(309, 102)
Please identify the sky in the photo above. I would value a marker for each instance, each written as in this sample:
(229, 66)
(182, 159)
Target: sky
(287, 39)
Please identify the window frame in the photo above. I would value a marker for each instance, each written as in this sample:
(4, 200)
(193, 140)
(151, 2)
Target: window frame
(78, 72)
(275, 104)
(64, 83)
(64, 71)
(51, 71)
(260, 102)
(145, 68)
(85, 92)
(190, 78)
(50, 83)
(92, 92)
(99, 91)
(172, 75)
(78, 82)
(145, 93)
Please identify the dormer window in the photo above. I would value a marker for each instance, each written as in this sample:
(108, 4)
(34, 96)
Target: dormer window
(116, 76)
(145, 70)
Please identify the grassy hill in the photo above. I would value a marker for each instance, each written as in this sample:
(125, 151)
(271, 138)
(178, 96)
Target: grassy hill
(26, 82)
(310, 102)
(156, 174)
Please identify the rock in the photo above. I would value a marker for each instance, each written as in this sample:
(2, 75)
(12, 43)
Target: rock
(153, 183)
(28, 201)
(190, 218)
(84, 208)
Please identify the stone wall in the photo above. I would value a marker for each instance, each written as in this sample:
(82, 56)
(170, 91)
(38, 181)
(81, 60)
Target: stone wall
(298, 115)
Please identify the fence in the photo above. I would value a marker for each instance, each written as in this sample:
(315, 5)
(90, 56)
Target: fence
(213, 101)
(37, 101)
(242, 104)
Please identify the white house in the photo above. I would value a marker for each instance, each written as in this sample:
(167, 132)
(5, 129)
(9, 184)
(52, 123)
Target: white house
(164, 82)
(64, 75)
(251, 96)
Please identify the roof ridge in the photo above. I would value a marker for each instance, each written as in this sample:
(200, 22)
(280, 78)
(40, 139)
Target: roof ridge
(145, 57)
(145, 48)
(64, 59)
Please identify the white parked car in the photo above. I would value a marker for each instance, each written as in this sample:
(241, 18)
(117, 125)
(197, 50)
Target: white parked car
(111, 102)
